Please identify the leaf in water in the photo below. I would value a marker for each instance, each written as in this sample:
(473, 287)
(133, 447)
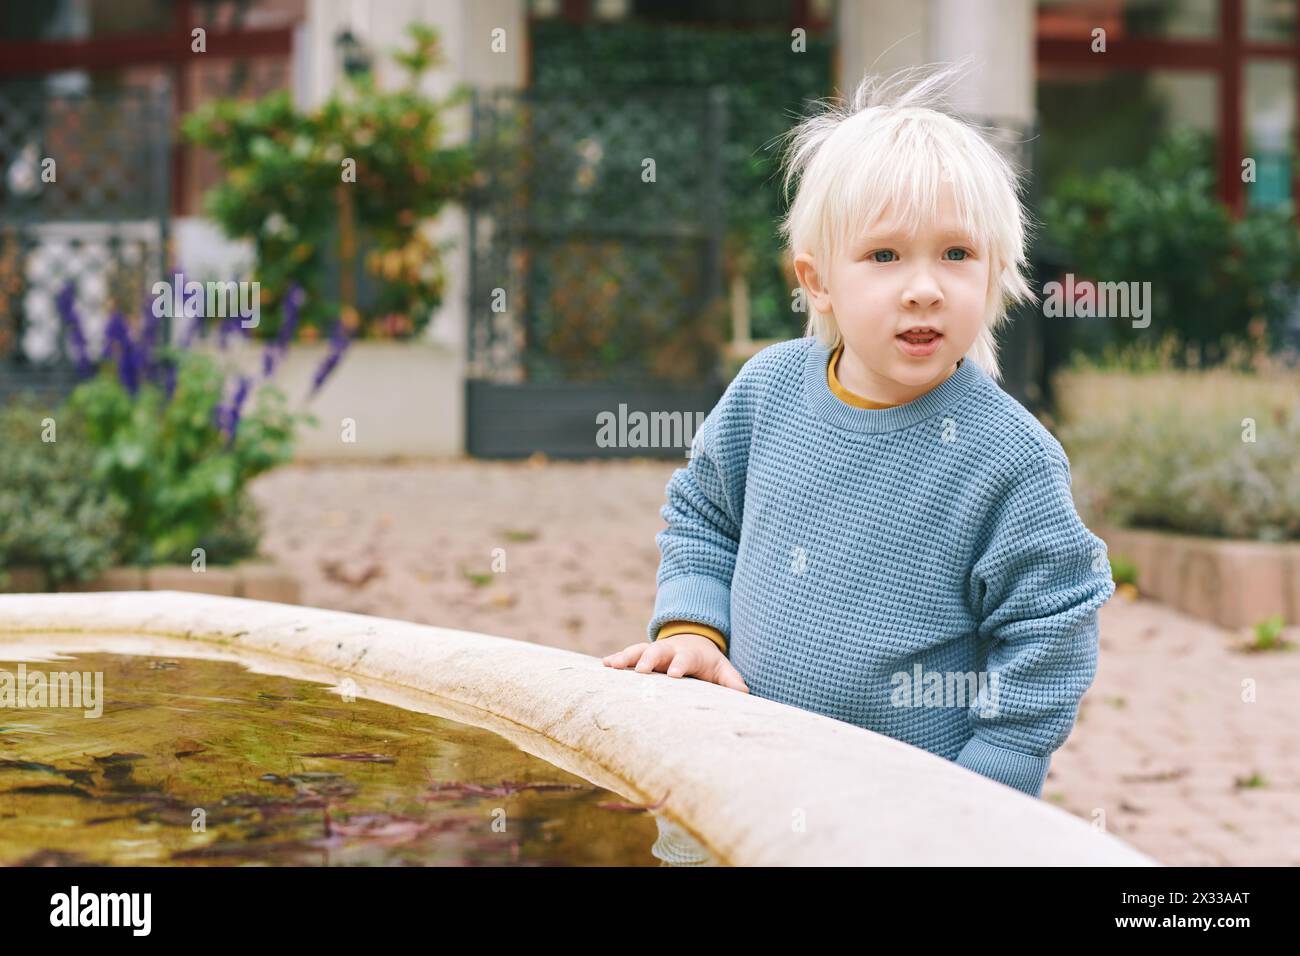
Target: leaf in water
(360, 757)
(53, 858)
(119, 758)
(453, 790)
(84, 777)
(53, 789)
(188, 747)
(387, 829)
(257, 852)
(27, 765)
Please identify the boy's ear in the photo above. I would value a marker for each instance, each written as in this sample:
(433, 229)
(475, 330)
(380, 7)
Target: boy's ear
(806, 269)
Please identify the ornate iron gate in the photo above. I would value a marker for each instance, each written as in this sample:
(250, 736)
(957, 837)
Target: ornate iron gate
(596, 233)
(84, 184)
(596, 237)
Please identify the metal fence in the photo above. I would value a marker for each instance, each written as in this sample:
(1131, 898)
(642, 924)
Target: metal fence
(596, 234)
(84, 197)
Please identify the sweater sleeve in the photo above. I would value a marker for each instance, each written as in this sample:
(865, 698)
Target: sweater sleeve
(1036, 586)
(704, 513)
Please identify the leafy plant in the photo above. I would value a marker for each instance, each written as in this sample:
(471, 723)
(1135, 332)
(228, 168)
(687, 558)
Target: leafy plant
(1123, 571)
(285, 190)
(180, 471)
(51, 518)
(1211, 275)
(1268, 634)
(168, 443)
(1208, 451)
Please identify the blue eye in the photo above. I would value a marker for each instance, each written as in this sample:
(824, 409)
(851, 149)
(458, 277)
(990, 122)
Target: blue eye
(963, 254)
(882, 252)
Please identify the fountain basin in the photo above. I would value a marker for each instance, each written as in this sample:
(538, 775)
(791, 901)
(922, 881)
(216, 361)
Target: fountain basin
(752, 781)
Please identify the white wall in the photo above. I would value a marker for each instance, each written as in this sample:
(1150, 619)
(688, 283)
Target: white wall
(882, 36)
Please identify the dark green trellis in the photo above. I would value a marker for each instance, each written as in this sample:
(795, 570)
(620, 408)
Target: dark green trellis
(596, 236)
(768, 83)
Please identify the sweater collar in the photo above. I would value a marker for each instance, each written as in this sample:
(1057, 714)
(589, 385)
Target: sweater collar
(833, 411)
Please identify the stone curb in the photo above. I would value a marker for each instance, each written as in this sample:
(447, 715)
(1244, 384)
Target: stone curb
(1230, 583)
(258, 580)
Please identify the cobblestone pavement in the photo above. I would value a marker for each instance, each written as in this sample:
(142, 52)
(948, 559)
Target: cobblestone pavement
(1166, 754)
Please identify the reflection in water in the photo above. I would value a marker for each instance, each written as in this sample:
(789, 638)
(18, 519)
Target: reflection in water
(196, 762)
(676, 847)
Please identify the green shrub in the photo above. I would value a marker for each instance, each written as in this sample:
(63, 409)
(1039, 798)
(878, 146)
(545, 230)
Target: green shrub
(1268, 634)
(51, 517)
(1210, 274)
(284, 190)
(1123, 570)
(1168, 448)
(182, 465)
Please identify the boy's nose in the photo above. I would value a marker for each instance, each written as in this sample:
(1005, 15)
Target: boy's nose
(922, 294)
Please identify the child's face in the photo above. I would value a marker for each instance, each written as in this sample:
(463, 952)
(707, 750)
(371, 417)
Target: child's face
(883, 284)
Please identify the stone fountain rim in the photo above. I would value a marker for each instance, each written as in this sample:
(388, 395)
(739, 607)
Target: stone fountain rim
(755, 781)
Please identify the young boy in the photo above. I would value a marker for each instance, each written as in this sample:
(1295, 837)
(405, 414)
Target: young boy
(869, 526)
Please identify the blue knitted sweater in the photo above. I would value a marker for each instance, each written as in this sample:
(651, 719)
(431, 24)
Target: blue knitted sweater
(919, 571)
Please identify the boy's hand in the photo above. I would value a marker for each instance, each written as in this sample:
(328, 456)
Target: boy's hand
(682, 655)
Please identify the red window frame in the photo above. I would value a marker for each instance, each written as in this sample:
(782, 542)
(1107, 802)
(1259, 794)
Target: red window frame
(170, 48)
(1225, 56)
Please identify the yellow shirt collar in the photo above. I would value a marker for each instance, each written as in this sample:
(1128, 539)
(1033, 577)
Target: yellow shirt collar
(843, 394)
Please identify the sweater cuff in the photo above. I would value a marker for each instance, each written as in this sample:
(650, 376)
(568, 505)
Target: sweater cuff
(692, 597)
(1010, 767)
(690, 627)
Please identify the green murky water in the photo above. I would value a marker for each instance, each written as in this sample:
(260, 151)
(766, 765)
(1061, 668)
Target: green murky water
(197, 762)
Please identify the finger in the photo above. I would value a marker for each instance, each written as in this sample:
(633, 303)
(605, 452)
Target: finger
(627, 656)
(684, 664)
(653, 656)
(728, 676)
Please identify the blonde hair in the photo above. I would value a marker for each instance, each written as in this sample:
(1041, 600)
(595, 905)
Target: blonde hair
(894, 144)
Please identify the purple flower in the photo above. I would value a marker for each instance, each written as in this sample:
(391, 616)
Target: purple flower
(236, 405)
(226, 417)
(276, 349)
(66, 302)
(339, 342)
(149, 365)
(128, 368)
(292, 301)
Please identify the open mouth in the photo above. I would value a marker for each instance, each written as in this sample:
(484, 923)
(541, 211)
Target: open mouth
(920, 341)
(922, 335)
